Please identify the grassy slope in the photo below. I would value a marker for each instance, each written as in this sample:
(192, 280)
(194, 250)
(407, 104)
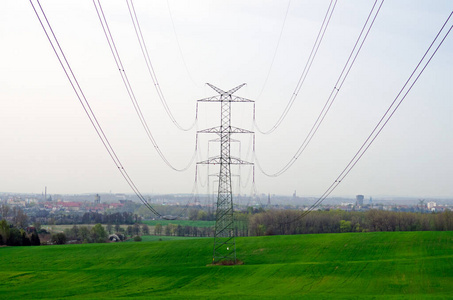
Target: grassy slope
(366, 265)
(155, 238)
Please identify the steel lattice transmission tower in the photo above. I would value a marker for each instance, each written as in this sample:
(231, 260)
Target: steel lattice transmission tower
(224, 237)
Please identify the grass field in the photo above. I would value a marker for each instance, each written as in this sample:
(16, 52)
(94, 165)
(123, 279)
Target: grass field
(161, 238)
(380, 265)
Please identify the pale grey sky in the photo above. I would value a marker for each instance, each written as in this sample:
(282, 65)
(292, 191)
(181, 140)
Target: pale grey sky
(47, 140)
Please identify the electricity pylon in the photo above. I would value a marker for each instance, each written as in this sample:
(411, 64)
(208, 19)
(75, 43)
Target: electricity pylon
(224, 237)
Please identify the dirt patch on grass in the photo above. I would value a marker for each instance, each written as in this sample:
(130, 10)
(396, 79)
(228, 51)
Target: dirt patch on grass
(227, 263)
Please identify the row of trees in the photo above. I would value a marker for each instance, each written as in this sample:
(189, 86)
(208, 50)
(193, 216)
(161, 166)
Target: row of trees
(178, 230)
(84, 234)
(15, 215)
(13, 236)
(99, 234)
(200, 215)
(110, 218)
(131, 230)
(240, 228)
(86, 218)
(290, 222)
(281, 222)
(18, 218)
(13, 228)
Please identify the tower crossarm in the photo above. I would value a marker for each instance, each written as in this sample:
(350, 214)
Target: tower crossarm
(221, 98)
(211, 161)
(225, 96)
(217, 130)
(220, 91)
(218, 140)
(216, 160)
(234, 90)
(239, 130)
(210, 130)
(227, 93)
(237, 161)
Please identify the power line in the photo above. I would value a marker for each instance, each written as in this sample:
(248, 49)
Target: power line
(383, 121)
(149, 65)
(341, 79)
(305, 71)
(85, 104)
(275, 51)
(193, 197)
(198, 178)
(129, 89)
(179, 45)
(251, 147)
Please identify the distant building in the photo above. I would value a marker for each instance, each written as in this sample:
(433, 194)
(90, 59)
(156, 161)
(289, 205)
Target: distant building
(97, 199)
(70, 206)
(115, 205)
(431, 205)
(359, 200)
(126, 201)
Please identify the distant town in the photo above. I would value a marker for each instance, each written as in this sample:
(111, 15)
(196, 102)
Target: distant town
(108, 202)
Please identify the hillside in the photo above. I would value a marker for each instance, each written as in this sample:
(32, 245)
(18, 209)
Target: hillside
(364, 265)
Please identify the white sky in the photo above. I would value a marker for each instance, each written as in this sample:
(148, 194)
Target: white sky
(47, 140)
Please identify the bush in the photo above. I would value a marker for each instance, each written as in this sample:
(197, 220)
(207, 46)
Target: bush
(98, 234)
(137, 238)
(15, 237)
(59, 238)
(25, 241)
(35, 241)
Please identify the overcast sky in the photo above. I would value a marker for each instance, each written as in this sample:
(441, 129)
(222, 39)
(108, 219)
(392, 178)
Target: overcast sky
(47, 140)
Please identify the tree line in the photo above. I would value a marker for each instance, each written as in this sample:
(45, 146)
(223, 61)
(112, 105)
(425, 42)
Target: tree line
(82, 234)
(15, 216)
(11, 235)
(86, 218)
(15, 228)
(179, 230)
(281, 222)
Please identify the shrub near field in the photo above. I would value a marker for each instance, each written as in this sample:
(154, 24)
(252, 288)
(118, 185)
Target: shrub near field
(330, 266)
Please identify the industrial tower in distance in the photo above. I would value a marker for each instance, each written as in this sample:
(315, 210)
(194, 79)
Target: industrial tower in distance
(224, 237)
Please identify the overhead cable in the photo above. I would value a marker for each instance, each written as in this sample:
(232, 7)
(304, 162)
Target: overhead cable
(250, 149)
(130, 91)
(413, 78)
(193, 198)
(275, 51)
(177, 41)
(84, 102)
(149, 65)
(330, 100)
(305, 71)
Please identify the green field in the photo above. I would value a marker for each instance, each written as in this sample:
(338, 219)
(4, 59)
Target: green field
(161, 238)
(380, 265)
(180, 222)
